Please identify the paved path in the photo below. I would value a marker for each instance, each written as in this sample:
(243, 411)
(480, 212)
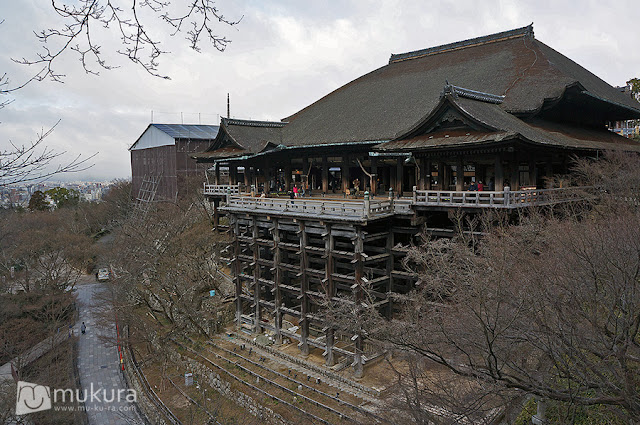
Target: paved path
(99, 362)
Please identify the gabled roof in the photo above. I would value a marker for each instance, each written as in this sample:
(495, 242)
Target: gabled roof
(480, 121)
(166, 134)
(388, 101)
(244, 137)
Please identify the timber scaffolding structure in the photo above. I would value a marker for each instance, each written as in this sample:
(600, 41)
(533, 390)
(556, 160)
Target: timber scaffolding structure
(512, 119)
(288, 257)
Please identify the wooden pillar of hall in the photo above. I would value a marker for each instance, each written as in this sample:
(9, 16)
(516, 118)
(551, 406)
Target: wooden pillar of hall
(443, 176)
(533, 173)
(499, 171)
(459, 174)
(515, 172)
(325, 175)
(267, 177)
(399, 169)
(305, 173)
(233, 174)
(216, 176)
(247, 178)
(358, 363)
(277, 278)
(304, 292)
(287, 176)
(344, 169)
(235, 267)
(423, 169)
(389, 269)
(257, 328)
(374, 172)
(216, 213)
(327, 282)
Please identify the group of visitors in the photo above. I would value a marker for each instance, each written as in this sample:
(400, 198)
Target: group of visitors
(479, 187)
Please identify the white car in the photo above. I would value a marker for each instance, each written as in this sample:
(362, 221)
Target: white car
(103, 274)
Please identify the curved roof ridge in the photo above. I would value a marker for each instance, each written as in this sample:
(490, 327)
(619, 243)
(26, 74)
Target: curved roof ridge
(505, 35)
(472, 94)
(252, 123)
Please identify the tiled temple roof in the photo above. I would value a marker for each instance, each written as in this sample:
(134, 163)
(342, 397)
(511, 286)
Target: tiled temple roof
(505, 35)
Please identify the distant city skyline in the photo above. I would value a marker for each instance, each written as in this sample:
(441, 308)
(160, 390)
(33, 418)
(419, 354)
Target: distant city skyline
(284, 55)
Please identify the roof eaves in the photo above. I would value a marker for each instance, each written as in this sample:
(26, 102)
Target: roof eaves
(620, 105)
(283, 147)
(492, 38)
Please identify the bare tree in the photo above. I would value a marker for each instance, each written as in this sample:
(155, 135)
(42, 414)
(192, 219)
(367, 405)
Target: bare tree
(45, 251)
(169, 264)
(548, 307)
(131, 20)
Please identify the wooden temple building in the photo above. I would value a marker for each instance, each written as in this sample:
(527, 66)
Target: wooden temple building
(162, 162)
(386, 156)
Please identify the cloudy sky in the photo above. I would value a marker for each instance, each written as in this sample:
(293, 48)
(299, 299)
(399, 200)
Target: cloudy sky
(283, 56)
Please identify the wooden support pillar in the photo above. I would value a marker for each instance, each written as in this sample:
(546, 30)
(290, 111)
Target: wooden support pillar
(443, 175)
(254, 177)
(480, 174)
(515, 173)
(329, 289)
(399, 169)
(423, 167)
(304, 292)
(499, 178)
(374, 172)
(325, 175)
(427, 174)
(533, 173)
(459, 174)
(391, 182)
(236, 269)
(358, 366)
(247, 178)
(305, 172)
(345, 173)
(277, 278)
(256, 275)
(267, 177)
(216, 178)
(233, 174)
(389, 268)
(287, 176)
(216, 213)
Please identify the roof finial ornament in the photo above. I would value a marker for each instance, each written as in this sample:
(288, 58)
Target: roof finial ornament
(447, 89)
(530, 29)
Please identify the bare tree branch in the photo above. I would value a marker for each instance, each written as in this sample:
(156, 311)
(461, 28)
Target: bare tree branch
(138, 44)
(24, 163)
